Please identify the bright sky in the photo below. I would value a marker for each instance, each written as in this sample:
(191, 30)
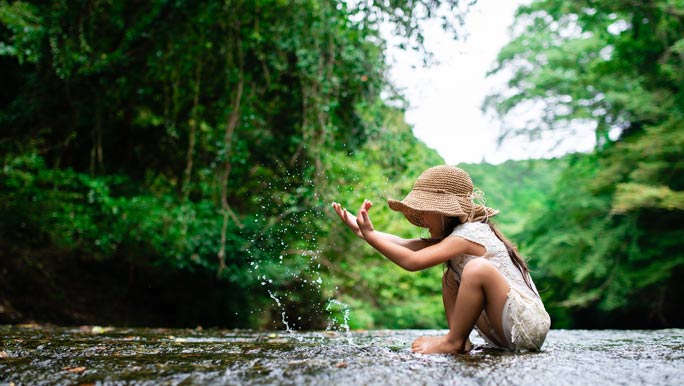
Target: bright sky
(445, 98)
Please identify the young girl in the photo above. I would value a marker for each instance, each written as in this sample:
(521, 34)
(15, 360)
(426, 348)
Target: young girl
(486, 284)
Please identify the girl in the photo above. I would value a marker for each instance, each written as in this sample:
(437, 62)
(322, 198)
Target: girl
(486, 284)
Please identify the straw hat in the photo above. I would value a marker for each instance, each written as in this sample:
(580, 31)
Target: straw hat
(446, 190)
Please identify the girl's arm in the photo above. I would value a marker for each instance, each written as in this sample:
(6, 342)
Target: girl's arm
(350, 220)
(416, 260)
(412, 244)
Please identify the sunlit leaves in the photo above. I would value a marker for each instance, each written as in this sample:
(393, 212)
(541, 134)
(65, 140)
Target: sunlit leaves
(633, 196)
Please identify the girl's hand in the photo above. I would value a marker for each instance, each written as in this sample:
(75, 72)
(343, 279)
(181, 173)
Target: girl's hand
(348, 218)
(363, 218)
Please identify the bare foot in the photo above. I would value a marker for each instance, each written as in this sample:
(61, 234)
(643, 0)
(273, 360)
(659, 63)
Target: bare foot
(468, 345)
(438, 345)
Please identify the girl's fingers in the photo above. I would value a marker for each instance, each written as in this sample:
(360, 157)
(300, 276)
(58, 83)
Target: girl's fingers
(359, 217)
(363, 221)
(364, 217)
(347, 217)
(340, 211)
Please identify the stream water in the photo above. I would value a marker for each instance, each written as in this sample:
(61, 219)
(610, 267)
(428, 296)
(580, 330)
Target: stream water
(34, 355)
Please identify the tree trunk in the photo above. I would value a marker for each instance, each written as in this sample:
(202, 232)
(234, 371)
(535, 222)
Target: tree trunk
(233, 120)
(193, 132)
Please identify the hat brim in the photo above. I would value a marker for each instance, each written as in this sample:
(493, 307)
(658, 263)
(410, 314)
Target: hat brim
(418, 202)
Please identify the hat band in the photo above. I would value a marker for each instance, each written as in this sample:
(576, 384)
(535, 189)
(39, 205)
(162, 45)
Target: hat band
(441, 191)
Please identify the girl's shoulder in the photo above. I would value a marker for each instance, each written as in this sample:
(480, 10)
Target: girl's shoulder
(471, 229)
(480, 233)
(471, 226)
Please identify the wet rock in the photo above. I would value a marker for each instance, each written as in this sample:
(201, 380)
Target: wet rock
(52, 355)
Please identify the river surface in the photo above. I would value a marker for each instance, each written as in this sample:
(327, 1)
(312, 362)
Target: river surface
(35, 355)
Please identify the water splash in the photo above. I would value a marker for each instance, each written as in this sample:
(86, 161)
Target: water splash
(333, 306)
(284, 255)
(282, 314)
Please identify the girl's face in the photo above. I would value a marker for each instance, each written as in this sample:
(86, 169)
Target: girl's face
(435, 224)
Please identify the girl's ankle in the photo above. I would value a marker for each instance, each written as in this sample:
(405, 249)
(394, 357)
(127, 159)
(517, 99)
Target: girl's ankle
(460, 344)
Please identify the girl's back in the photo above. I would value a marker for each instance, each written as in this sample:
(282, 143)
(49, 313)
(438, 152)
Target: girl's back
(481, 233)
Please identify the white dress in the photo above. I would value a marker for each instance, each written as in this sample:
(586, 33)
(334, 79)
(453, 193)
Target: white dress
(525, 321)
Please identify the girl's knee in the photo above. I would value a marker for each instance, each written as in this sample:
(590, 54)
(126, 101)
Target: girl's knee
(477, 269)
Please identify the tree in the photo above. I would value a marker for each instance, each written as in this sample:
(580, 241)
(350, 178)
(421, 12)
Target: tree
(612, 237)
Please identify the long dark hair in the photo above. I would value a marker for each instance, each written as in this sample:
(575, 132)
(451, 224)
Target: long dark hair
(451, 222)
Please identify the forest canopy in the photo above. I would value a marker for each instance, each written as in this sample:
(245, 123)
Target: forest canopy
(174, 162)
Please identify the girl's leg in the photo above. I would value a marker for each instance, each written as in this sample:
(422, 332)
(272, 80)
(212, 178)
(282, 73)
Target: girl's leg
(449, 295)
(482, 287)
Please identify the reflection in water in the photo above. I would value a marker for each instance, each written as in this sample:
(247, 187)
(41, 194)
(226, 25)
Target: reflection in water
(41, 355)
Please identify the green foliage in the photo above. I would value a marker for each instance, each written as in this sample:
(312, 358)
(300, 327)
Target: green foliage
(202, 137)
(610, 239)
(211, 137)
(518, 189)
(27, 31)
